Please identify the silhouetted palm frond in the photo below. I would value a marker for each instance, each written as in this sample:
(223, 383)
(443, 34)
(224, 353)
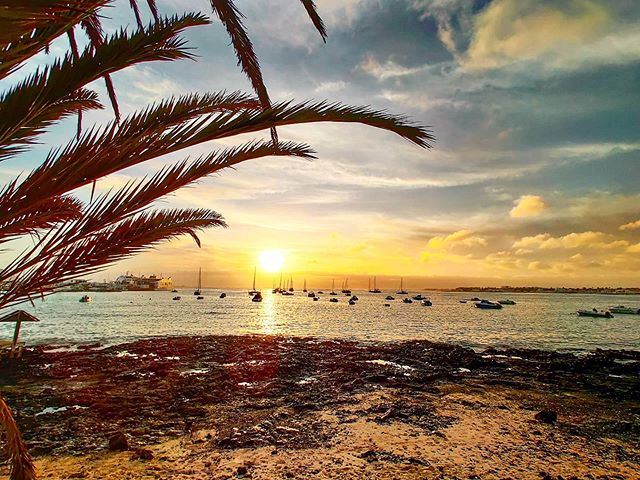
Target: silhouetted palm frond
(29, 106)
(312, 11)
(96, 251)
(21, 464)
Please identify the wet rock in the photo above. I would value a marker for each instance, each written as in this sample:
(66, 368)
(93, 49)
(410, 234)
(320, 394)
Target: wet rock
(118, 442)
(546, 416)
(242, 470)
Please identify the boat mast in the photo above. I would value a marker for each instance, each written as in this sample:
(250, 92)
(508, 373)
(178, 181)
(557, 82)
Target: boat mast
(200, 279)
(254, 279)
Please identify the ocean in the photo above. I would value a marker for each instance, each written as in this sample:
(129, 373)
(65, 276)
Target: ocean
(544, 321)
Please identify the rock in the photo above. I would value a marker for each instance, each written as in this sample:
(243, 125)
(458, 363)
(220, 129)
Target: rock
(546, 416)
(142, 454)
(79, 474)
(242, 470)
(118, 442)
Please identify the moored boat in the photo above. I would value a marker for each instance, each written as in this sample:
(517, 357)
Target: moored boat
(625, 310)
(198, 290)
(177, 297)
(253, 290)
(223, 295)
(257, 297)
(487, 305)
(419, 297)
(426, 303)
(506, 302)
(333, 300)
(407, 300)
(595, 313)
(402, 291)
(389, 297)
(85, 299)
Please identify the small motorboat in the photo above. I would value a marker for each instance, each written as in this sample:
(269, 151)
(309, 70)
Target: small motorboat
(320, 292)
(311, 295)
(333, 300)
(199, 297)
(352, 302)
(287, 293)
(625, 310)
(257, 297)
(386, 305)
(86, 299)
(223, 295)
(463, 301)
(315, 299)
(487, 305)
(389, 297)
(418, 297)
(354, 298)
(177, 297)
(426, 303)
(474, 299)
(174, 291)
(407, 300)
(595, 313)
(506, 302)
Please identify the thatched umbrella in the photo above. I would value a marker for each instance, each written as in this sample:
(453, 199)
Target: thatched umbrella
(17, 316)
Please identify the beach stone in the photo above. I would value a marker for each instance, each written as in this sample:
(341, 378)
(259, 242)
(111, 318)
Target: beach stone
(118, 442)
(142, 454)
(242, 470)
(546, 416)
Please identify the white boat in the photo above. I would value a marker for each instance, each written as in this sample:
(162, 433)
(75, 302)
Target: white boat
(86, 299)
(426, 303)
(402, 291)
(487, 305)
(407, 300)
(625, 310)
(595, 313)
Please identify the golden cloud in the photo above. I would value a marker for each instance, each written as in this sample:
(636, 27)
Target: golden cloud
(509, 30)
(528, 206)
(630, 226)
(588, 239)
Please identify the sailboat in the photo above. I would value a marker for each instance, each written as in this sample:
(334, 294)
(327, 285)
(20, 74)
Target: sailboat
(333, 288)
(375, 288)
(197, 292)
(345, 286)
(291, 284)
(305, 285)
(253, 290)
(402, 290)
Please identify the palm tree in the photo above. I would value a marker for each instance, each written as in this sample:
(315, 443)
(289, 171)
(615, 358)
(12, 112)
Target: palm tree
(71, 238)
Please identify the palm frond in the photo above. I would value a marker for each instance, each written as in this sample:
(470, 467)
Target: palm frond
(312, 11)
(25, 108)
(98, 250)
(231, 18)
(136, 12)
(21, 463)
(29, 27)
(46, 214)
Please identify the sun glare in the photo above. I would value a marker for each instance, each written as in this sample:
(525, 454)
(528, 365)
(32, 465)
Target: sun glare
(272, 260)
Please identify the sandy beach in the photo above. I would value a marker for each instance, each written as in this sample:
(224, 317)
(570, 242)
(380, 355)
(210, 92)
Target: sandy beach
(267, 407)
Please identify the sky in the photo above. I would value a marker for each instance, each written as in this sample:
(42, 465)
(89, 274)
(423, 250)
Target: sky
(534, 178)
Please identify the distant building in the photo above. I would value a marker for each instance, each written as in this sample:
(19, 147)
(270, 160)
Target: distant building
(131, 282)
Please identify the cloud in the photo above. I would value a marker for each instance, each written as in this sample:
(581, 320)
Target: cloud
(331, 87)
(589, 239)
(634, 248)
(510, 30)
(630, 226)
(528, 206)
(387, 70)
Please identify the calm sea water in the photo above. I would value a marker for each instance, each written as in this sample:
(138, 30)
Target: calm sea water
(546, 321)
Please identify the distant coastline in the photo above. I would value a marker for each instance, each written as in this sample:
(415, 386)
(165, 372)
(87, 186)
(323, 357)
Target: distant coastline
(584, 290)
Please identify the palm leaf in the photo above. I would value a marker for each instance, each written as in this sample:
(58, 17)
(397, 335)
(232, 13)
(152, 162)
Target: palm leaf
(21, 463)
(312, 11)
(26, 108)
(96, 251)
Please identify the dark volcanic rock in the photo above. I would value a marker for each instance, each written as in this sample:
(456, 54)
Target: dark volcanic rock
(118, 442)
(546, 416)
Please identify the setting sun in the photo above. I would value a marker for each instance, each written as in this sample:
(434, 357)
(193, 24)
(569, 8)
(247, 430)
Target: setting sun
(272, 260)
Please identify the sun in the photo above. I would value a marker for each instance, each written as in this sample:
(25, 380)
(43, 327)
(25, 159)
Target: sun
(271, 260)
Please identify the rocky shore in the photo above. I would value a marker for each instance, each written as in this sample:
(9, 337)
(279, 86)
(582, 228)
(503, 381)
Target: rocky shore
(281, 407)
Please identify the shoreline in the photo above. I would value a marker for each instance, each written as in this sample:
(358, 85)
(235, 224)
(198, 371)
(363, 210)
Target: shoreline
(394, 409)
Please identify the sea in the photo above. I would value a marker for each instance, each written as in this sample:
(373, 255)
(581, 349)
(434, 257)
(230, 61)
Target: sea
(537, 320)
